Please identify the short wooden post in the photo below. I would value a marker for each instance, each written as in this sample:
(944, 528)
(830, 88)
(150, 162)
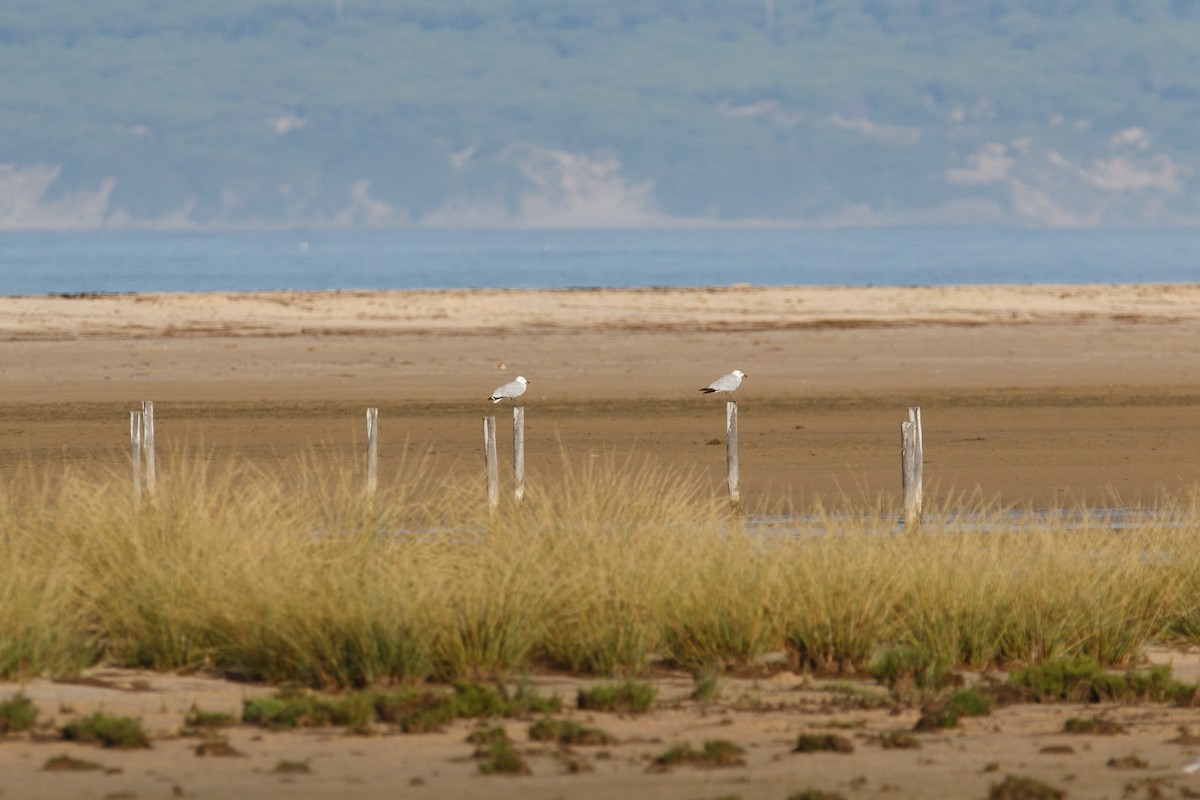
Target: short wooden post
(519, 453)
(493, 468)
(912, 468)
(135, 452)
(731, 451)
(372, 451)
(148, 445)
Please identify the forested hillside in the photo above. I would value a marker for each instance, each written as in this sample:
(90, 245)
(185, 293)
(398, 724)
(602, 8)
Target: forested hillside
(235, 113)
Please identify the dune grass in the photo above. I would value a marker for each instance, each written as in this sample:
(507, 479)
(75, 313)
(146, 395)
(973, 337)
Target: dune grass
(300, 579)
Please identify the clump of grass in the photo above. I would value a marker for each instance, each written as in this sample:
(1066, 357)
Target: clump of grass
(200, 720)
(822, 743)
(17, 713)
(903, 669)
(708, 684)
(1016, 787)
(294, 709)
(123, 733)
(218, 747)
(416, 711)
(714, 753)
(1128, 762)
(285, 767)
(1082, 679)
(567, 732)
(816, 794)
(477, 700)
(899, 740)
(1098, 726)
(632, 697)
(66, 763)
(947, 713)
(495, 753)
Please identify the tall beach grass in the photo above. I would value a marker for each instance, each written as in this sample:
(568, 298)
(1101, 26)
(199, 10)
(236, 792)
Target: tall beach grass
(605, 570)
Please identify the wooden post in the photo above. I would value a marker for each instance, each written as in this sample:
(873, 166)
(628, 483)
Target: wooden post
(914, 415)
(731, 451)
(519, 452)
(148, 445)
(372, 451)
(493, 468)
(135, 452)
(912, 472)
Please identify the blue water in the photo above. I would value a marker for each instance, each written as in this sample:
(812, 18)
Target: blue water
(41, 263)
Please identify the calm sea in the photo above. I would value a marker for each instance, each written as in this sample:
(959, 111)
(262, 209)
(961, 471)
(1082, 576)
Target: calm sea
(41, 263)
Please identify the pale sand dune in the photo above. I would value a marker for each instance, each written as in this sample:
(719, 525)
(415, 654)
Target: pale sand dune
(704, 309)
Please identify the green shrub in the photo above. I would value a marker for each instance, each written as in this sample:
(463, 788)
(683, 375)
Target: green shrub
(715, 753)
(1015, 787)
(566, 732)
(822, 743)
(1098, 726)
(901, 668)
(496, 754)
(630, 696)
(18, 713)
(1083, 680)
(117, 732)
(207, 720)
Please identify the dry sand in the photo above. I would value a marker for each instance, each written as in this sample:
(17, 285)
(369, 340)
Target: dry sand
(1030, 394)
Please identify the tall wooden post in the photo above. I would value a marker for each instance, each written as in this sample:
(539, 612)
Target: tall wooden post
(372, 451)
(493, 467)
(731, 451)
(148, 445)
(135, 452)
(519, 452)
(912, 468)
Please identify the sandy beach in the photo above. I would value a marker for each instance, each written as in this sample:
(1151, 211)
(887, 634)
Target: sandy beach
(1029, 394)
(1038, 395)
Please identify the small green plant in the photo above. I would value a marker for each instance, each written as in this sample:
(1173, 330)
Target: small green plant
(899, 740)
(1015, 787)
(292, 768)
(715, 753)
(1097, 726)
(903, 669)
(298, 709)
(946, 714)
(122, 733)
(816, 794)
(1083, 680)
(18, 713)
(416, 712)
(1128, 762)
(708, 684)
(197, 719)
(217, 747)
(566, 732)
(630, 696)
(823, 743)
(66, 763)
(477, 700)
(496, 754)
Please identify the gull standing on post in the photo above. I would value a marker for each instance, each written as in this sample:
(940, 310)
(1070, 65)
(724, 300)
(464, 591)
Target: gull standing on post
(725, 383)
(510, 391)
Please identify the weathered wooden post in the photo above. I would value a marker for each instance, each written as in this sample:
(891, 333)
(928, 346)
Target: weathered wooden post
(135, 452)
(372, 451)
(519, 452)
(912, 474)
(148, 446)
(493, 468)
(731, 451)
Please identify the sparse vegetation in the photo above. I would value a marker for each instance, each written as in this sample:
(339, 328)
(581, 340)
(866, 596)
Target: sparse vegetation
(286, 767)
(1083, 679)
(200, 720)
(567, 732)
(495, 753)
(1099, 726)
(630, 696)
(714, 753)
(17, 713)
(947, 713)
(124, 733)
(823, 743)
(1015, 787)
(66, 763)
(899, 740)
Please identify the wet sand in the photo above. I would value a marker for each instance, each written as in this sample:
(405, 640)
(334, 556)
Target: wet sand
(1041, 395)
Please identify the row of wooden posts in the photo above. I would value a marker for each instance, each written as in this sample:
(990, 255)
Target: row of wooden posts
(912, 456)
